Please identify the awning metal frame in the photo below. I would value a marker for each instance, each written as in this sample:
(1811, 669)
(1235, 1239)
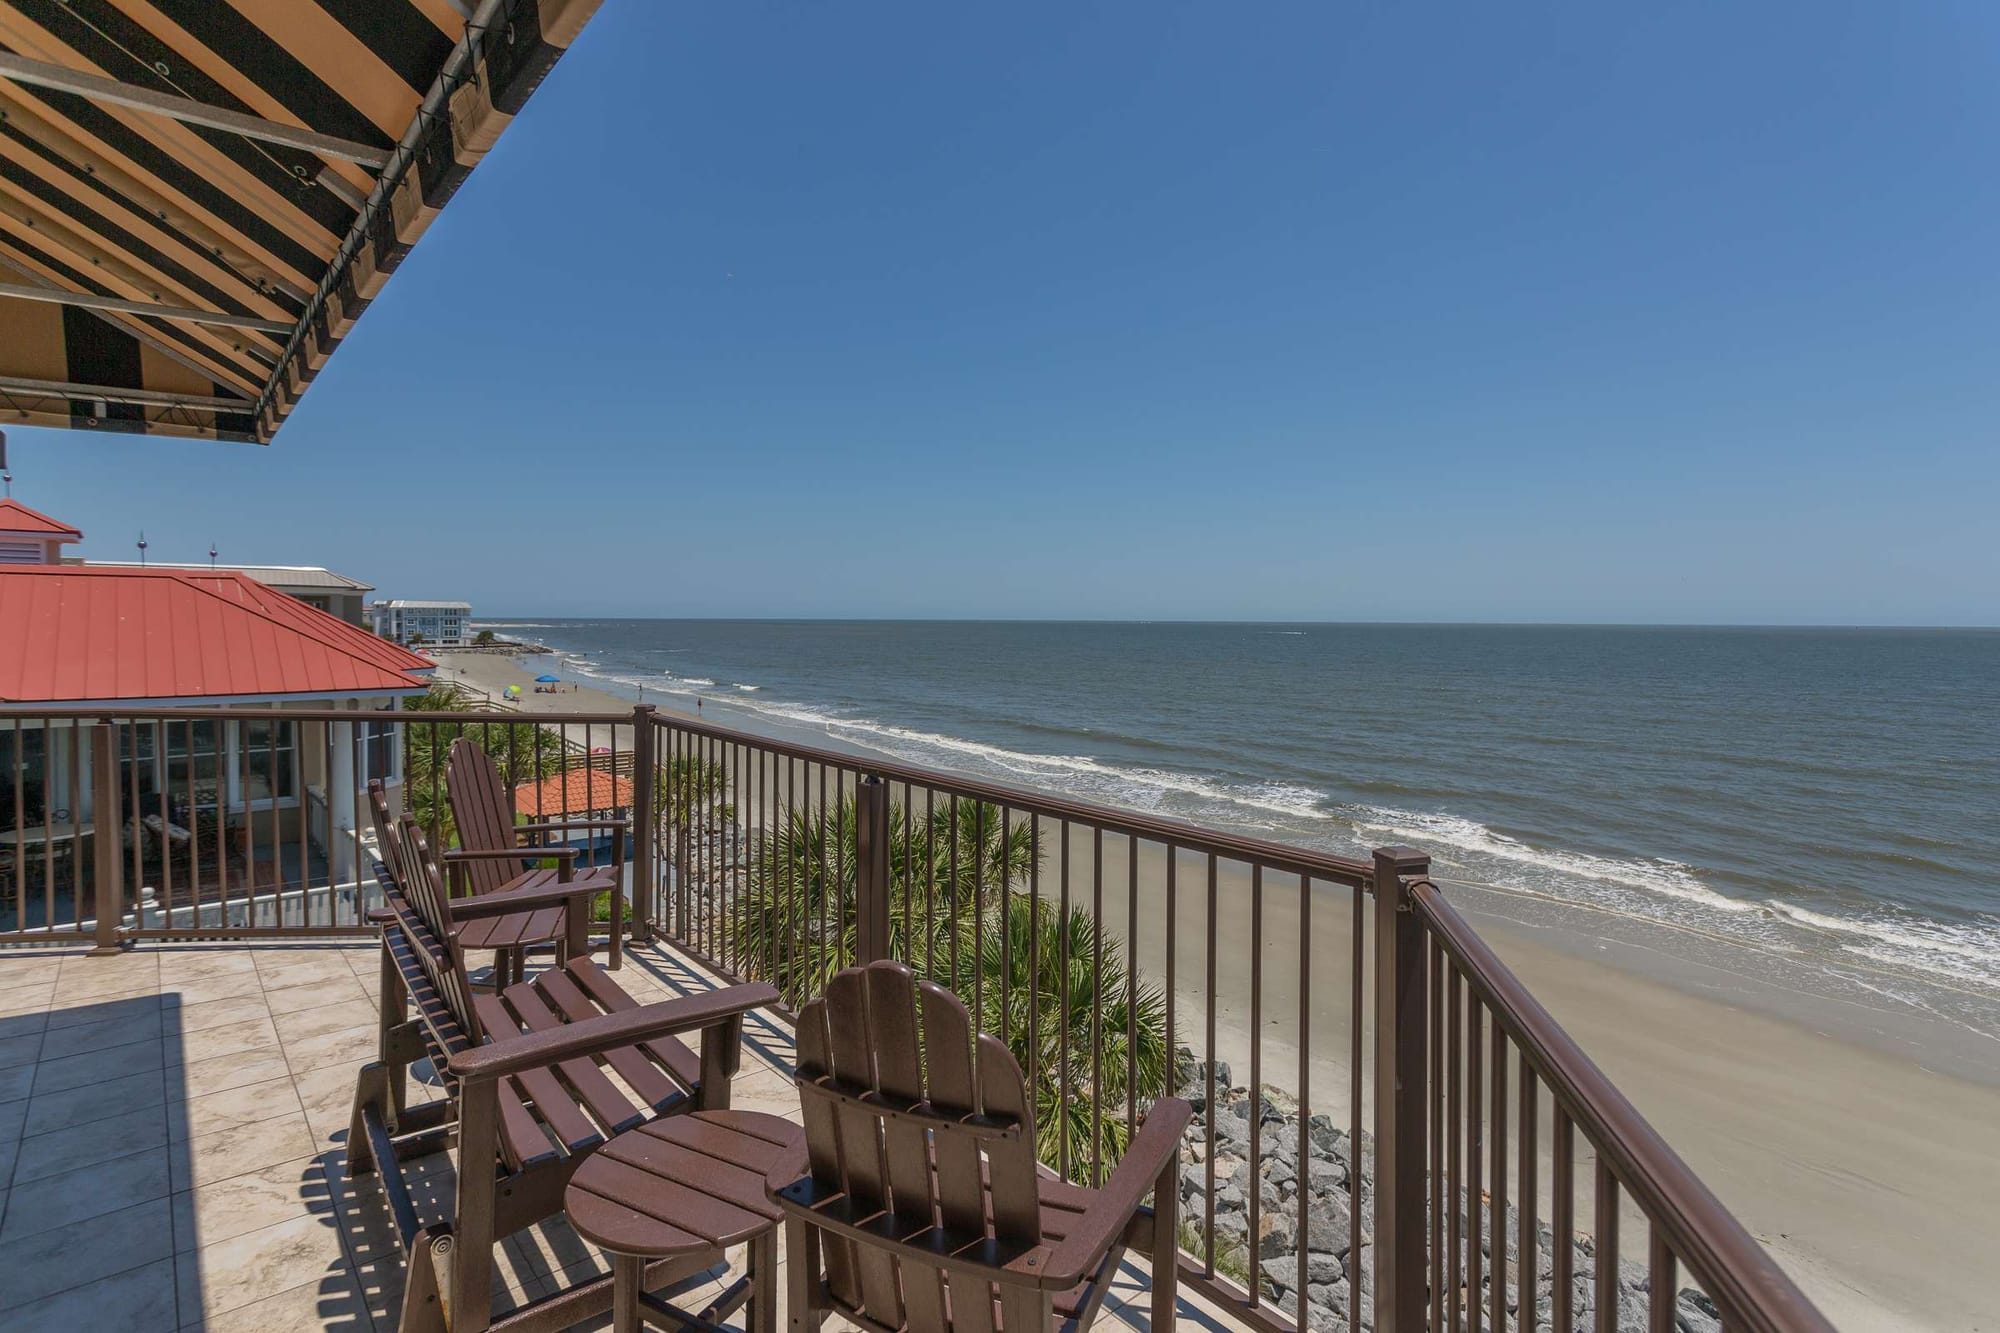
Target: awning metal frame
(41, 74)
(92, 301)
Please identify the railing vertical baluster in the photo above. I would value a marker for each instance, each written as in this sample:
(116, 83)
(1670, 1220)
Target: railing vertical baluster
(955, 903)
(1498, 1225)
(1132, 987)
(1005, 861)
(1035, 1071)
(978, 908)
(1254, 1186)
(1357, 1042)
(1455, 1138)
(1605, 1297)
(930, 881)
(76, 753)
(1097, 1020)
(1434, 973)
(645, 785)
(1209, 1113)
(1527, 1249)
(1400, 1025)
(1562, 1217)
(136, 880)
(906, 890)
(1475, 1174)
(871, 869)
(1302, 1155)
(162, 756)
(1662, 1279)
(108, 860)
(1063, 1026)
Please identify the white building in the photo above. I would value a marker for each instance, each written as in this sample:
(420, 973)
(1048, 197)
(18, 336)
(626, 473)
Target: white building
(440, 624)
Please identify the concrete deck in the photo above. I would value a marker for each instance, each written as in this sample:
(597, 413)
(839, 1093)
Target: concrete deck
(173, 1130)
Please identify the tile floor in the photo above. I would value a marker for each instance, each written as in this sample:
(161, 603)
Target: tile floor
(173, 1128)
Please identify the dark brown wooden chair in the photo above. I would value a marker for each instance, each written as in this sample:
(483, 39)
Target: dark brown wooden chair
(922, 1206)
(491, 858)
(534, 1078)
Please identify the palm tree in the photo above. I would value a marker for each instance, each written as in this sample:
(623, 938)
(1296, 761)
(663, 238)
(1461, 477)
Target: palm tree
(522, 751)
(799, 912)
(1091, 1038)
(1056, 988)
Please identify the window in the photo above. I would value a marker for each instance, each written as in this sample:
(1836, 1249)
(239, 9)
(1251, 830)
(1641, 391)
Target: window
(379, 742)
(24, 773)
(194, 765)
(270, 761)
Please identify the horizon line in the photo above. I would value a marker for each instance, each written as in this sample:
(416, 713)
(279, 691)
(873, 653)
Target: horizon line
(1232, 620)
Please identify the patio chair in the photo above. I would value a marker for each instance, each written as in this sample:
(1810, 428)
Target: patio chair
(533, 1078)
(922, 1205)
(491, 858)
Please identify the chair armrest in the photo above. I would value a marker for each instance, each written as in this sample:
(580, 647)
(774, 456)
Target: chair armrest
(510, 854)
(521, 900)
(570, 825)
(1157, 1144)
(607, 1032)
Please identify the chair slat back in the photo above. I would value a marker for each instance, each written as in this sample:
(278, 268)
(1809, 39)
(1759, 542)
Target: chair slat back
(890, 1090)
(483, 813)
(417, 897)
(437, 945)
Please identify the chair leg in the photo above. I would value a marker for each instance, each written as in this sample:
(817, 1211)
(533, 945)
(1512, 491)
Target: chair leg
(801, 1275)
(371, 1088)
(628, 1278)
(1167, 1244)
(423, 1288)
(762, 1316)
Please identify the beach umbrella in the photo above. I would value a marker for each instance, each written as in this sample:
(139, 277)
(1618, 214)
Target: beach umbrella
(548, 680)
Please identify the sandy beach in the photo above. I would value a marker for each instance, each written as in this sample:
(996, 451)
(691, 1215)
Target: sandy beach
(1868, 1175)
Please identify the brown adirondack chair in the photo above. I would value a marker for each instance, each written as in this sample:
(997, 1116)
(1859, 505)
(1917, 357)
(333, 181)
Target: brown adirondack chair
(922, 1206)
(535, 1078)
(491, 858)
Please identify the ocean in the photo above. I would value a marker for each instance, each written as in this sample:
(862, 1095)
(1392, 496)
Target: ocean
(1823, 803)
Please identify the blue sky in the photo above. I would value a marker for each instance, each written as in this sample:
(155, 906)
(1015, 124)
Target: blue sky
(1576, 312)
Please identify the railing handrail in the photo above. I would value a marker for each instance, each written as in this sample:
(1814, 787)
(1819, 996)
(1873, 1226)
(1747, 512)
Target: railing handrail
(1284, 857)
(1735, 1270)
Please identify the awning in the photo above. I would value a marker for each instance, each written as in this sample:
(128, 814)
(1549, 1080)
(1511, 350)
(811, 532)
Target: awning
(198, 198)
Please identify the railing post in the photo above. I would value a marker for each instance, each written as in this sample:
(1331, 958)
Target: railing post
(871, 869)
(645, 827)
(108, 824)
(1401, 1025)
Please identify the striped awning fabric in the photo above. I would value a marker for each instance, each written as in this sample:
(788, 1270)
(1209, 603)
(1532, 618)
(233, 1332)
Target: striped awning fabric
(198, 198)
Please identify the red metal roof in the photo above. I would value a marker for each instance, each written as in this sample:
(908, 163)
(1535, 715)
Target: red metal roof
(572, 792)
(17, 517)
(81, 633)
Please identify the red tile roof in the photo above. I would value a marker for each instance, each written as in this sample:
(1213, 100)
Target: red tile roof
(17, 517)
(78, 633)
(572, 792)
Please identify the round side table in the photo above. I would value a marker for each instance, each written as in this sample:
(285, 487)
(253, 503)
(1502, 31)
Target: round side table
(685, 1187)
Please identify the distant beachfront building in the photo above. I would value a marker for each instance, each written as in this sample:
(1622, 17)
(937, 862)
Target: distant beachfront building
(336, 594)
(440, 624)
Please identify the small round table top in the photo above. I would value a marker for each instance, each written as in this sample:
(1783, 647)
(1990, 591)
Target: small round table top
(681, 1184)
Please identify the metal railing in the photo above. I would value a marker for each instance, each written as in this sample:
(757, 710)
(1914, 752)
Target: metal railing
(1391, 1131)
(1343, 1183)
(242, 823)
